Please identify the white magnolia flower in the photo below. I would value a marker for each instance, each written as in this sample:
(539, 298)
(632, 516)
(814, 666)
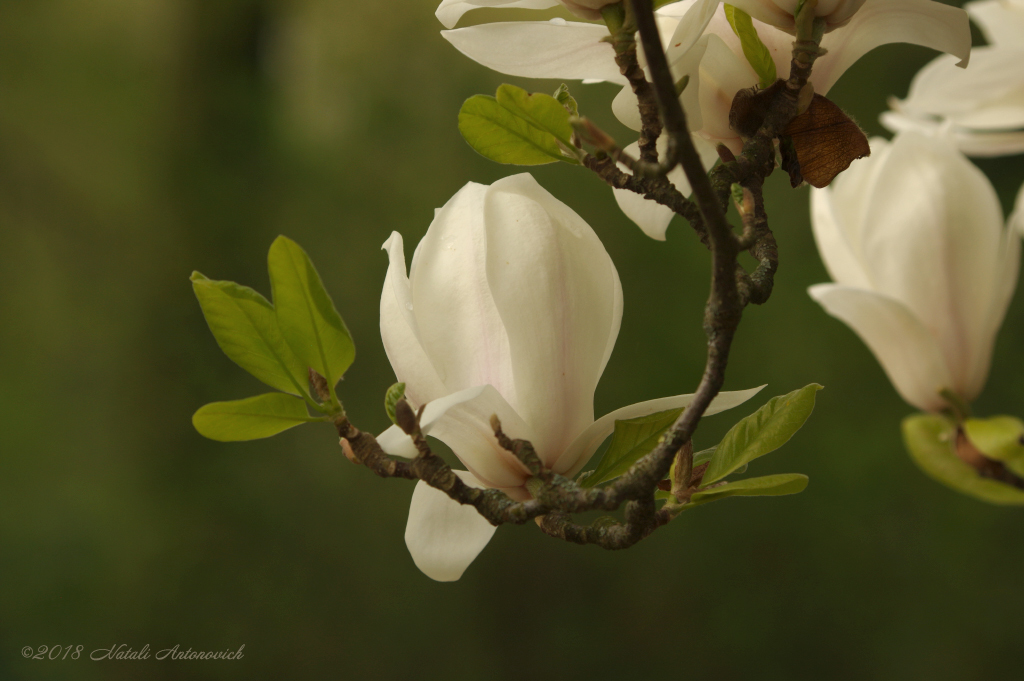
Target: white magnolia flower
(914, 238)
(700, 43)
(982, 108)
(511, 307)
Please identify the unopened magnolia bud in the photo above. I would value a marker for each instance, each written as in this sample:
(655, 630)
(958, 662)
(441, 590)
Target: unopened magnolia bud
(405, 417)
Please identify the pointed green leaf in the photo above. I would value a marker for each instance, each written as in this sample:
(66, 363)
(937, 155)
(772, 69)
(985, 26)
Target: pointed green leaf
(517, 127)
(252, 418)
(764, 431)
(631, 440)
(753, 49)
(245, 326)
(394, 393)
(306, 316)
(567, 100)
(930, 440)
(766, 486)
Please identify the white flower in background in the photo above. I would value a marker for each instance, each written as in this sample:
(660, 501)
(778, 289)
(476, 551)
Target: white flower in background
(511, 307)
(700, 43)
(982, 108)
(924, 268)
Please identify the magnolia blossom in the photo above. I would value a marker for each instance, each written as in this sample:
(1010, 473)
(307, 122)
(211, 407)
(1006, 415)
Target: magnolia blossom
(511, 308)
(701, 44)
(913, 236)
(982, 108)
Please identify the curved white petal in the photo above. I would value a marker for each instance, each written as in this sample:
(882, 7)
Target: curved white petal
(624, 106)
(649, 215)
(394, 440)
(540, 49)
(560, 299)
(941, 89)
(1002, 21)
(1017, 217)
(907, 351)
(838, 217)
(584, 446)
(399, 330)
(465, 426)
(880, 22)
(444, 536)
(978, 143)
(690, 28)
(459, 326)
(450, 11)
(722, 75)
(933, 239)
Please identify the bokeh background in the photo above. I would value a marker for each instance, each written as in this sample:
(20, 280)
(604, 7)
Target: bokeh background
(142, 139)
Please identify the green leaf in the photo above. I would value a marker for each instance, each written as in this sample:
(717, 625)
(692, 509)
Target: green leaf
(753, 49)
(306, 316)
(567, 100)
(517, 127)
(764, 431)
(632, 439)
(998, 437)
(766, 486)
(930, 440)
(252, 418)
(245, 326)
(394, 393)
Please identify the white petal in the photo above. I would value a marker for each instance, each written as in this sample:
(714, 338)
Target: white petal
(624, 106)
(1002, 21)
(540, 49)
(941, 89)
(577, 455)
(394, 440)
(880, 22)
(837, 217)
(908, 353)
(466, 428)
(690, 28)
(559, 297)
(444, 536)
(933, 239)
(971, 142)
(450, 11)
(722, 75)
(649, 215)
(459, 326)
(399, 330)
(1017, 218)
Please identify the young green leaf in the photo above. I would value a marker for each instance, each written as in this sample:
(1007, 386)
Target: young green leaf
(764, 431)
(754, 50)
(245, 326)
(567, 100)
(930, 440)
(766, 486)
(252, 418)
(632, 439)
(394, 393)
(517, 127)
(999, 437)
(306, 316)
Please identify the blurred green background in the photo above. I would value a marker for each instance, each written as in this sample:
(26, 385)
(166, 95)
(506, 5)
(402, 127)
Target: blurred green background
(142, 139)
